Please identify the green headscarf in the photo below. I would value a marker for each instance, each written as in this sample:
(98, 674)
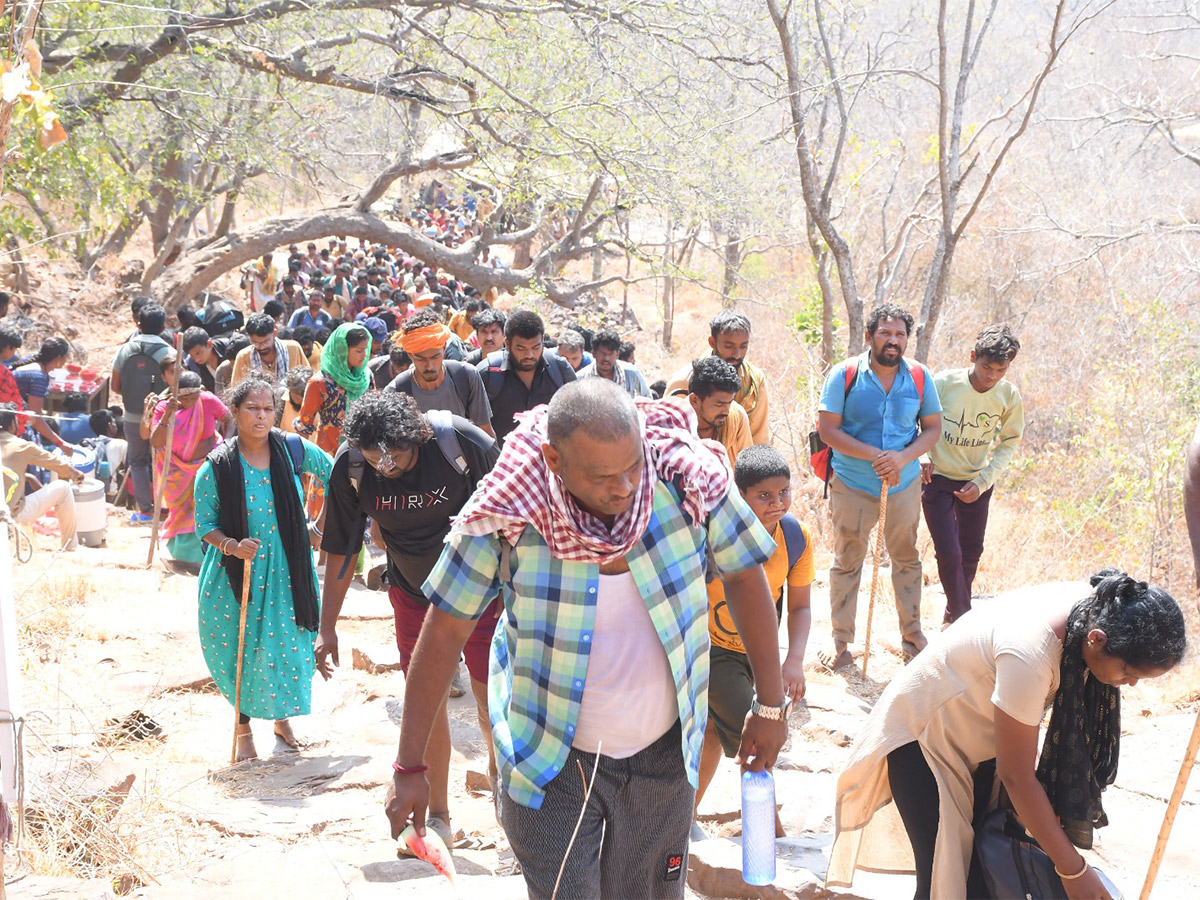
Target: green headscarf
(333, 361)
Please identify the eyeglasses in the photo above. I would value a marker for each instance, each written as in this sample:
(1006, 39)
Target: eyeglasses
(388, 461)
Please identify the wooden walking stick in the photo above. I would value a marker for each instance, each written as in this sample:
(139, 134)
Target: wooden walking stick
(167, 449)
(237, 688)
(883, 492)
(1160, 847)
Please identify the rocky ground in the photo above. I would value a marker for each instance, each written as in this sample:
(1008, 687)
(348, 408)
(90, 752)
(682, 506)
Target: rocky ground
(165, 816)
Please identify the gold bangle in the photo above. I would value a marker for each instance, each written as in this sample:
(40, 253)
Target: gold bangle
(1078, 874)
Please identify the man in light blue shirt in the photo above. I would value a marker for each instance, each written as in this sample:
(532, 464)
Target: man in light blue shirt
(879, 413)
(312, 315)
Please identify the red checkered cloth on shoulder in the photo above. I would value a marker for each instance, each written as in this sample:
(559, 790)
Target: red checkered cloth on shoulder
(521, 490)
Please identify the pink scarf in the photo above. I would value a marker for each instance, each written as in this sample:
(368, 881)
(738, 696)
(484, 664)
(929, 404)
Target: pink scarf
(522, 491)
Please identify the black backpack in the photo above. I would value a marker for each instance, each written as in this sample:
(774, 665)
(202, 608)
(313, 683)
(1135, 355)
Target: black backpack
(219, 316)
(457, 373)
(141, 373)
(497, 365)
(444, 433)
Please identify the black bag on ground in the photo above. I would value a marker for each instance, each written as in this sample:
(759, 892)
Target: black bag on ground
(1012, 863)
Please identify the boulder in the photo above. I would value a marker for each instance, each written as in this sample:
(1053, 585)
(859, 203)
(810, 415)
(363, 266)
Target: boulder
(715, 870)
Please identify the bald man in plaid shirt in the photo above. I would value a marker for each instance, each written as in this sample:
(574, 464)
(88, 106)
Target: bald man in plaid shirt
(597, 526)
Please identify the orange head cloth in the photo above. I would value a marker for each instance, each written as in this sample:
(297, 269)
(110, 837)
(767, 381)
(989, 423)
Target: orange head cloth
(426, 338)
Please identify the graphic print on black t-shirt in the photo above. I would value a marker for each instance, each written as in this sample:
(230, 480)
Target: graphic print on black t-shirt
(413, 510)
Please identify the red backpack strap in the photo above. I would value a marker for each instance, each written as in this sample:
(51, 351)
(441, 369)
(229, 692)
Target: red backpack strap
(917, 371)
(851, 374)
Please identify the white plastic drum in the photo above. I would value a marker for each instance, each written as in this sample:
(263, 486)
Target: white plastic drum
(91, 512)
(83, 459)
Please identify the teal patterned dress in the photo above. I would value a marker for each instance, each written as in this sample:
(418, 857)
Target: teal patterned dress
(277, 670)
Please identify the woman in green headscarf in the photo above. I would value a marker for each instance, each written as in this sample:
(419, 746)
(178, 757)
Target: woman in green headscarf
(344, 377)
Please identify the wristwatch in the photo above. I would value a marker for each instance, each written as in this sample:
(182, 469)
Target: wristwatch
(772, 713)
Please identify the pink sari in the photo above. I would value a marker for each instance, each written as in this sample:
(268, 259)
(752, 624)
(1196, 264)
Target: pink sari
(194, 438)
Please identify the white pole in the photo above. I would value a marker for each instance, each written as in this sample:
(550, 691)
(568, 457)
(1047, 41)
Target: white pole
(10, 687)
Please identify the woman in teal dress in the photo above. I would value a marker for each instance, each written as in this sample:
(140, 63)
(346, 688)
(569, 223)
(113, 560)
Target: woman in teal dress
(250, 510)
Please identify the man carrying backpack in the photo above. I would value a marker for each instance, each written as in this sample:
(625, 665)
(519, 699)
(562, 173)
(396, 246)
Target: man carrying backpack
(436, 382)
(137, 373)
(411, 474)
(522, 375)
(879, 414)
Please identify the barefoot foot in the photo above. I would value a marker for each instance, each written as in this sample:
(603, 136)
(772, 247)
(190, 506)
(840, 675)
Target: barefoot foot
(283, 731)
(245, 744)
(836, 658)
(913, 644)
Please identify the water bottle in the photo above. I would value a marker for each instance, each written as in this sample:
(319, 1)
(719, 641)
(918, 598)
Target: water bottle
(758, 828)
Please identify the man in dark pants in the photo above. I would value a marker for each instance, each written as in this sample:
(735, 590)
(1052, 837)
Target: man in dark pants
(602, 662)
(395, 469)
(982, 422)
(137, 372)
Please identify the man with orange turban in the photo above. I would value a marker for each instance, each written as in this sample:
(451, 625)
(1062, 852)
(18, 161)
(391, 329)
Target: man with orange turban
(436, 382)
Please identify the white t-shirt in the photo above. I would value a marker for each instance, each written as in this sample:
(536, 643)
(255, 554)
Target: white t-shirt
(629, 698)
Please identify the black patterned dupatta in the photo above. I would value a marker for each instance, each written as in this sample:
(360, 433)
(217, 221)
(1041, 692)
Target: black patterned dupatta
(1083, 742)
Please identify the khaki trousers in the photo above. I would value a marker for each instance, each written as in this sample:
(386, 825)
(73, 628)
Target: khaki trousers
(854, 515)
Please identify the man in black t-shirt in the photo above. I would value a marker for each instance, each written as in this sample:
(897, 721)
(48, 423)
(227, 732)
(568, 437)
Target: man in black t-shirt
(524, 374)
(395, 468)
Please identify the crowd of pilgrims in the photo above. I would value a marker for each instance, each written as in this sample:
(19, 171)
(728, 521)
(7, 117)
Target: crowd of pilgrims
(329, 425)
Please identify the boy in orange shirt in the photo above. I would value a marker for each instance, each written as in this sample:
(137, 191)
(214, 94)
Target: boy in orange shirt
(765, 480)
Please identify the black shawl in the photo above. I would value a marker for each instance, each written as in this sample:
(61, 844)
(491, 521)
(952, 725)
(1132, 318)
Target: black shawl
(289, 512)
(1083, 742)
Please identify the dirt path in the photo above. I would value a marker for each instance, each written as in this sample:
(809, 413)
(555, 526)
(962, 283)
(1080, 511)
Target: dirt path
(104, 637)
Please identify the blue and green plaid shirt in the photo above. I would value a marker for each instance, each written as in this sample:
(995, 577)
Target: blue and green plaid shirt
(540, 654)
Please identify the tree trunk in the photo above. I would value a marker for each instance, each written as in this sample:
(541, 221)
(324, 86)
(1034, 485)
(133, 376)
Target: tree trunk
(114, 243)
(227, 212)
(20, 271)
(165, 197)
(522, 254)
(668, 293)
(732, 260)
(169, 247)
(820, 256)
(201, 263)
(810, 176)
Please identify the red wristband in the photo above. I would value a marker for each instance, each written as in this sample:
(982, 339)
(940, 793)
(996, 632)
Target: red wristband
(409, 770)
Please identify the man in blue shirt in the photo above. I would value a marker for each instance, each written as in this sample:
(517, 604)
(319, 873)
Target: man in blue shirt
(878, 422)
(312, 315)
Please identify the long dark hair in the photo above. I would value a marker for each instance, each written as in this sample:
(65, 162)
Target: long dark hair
(1145, 629)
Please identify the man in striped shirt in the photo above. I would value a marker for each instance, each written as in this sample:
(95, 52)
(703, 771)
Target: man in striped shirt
(597, 524)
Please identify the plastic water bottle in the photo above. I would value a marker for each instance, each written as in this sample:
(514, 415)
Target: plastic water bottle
(758, 828)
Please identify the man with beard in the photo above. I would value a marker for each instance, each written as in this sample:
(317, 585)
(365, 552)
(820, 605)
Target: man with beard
(596, 524)
(522, 375)
(719, 417)
(411, 474)
(729, 338)
(878, 413)
(436, 382)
